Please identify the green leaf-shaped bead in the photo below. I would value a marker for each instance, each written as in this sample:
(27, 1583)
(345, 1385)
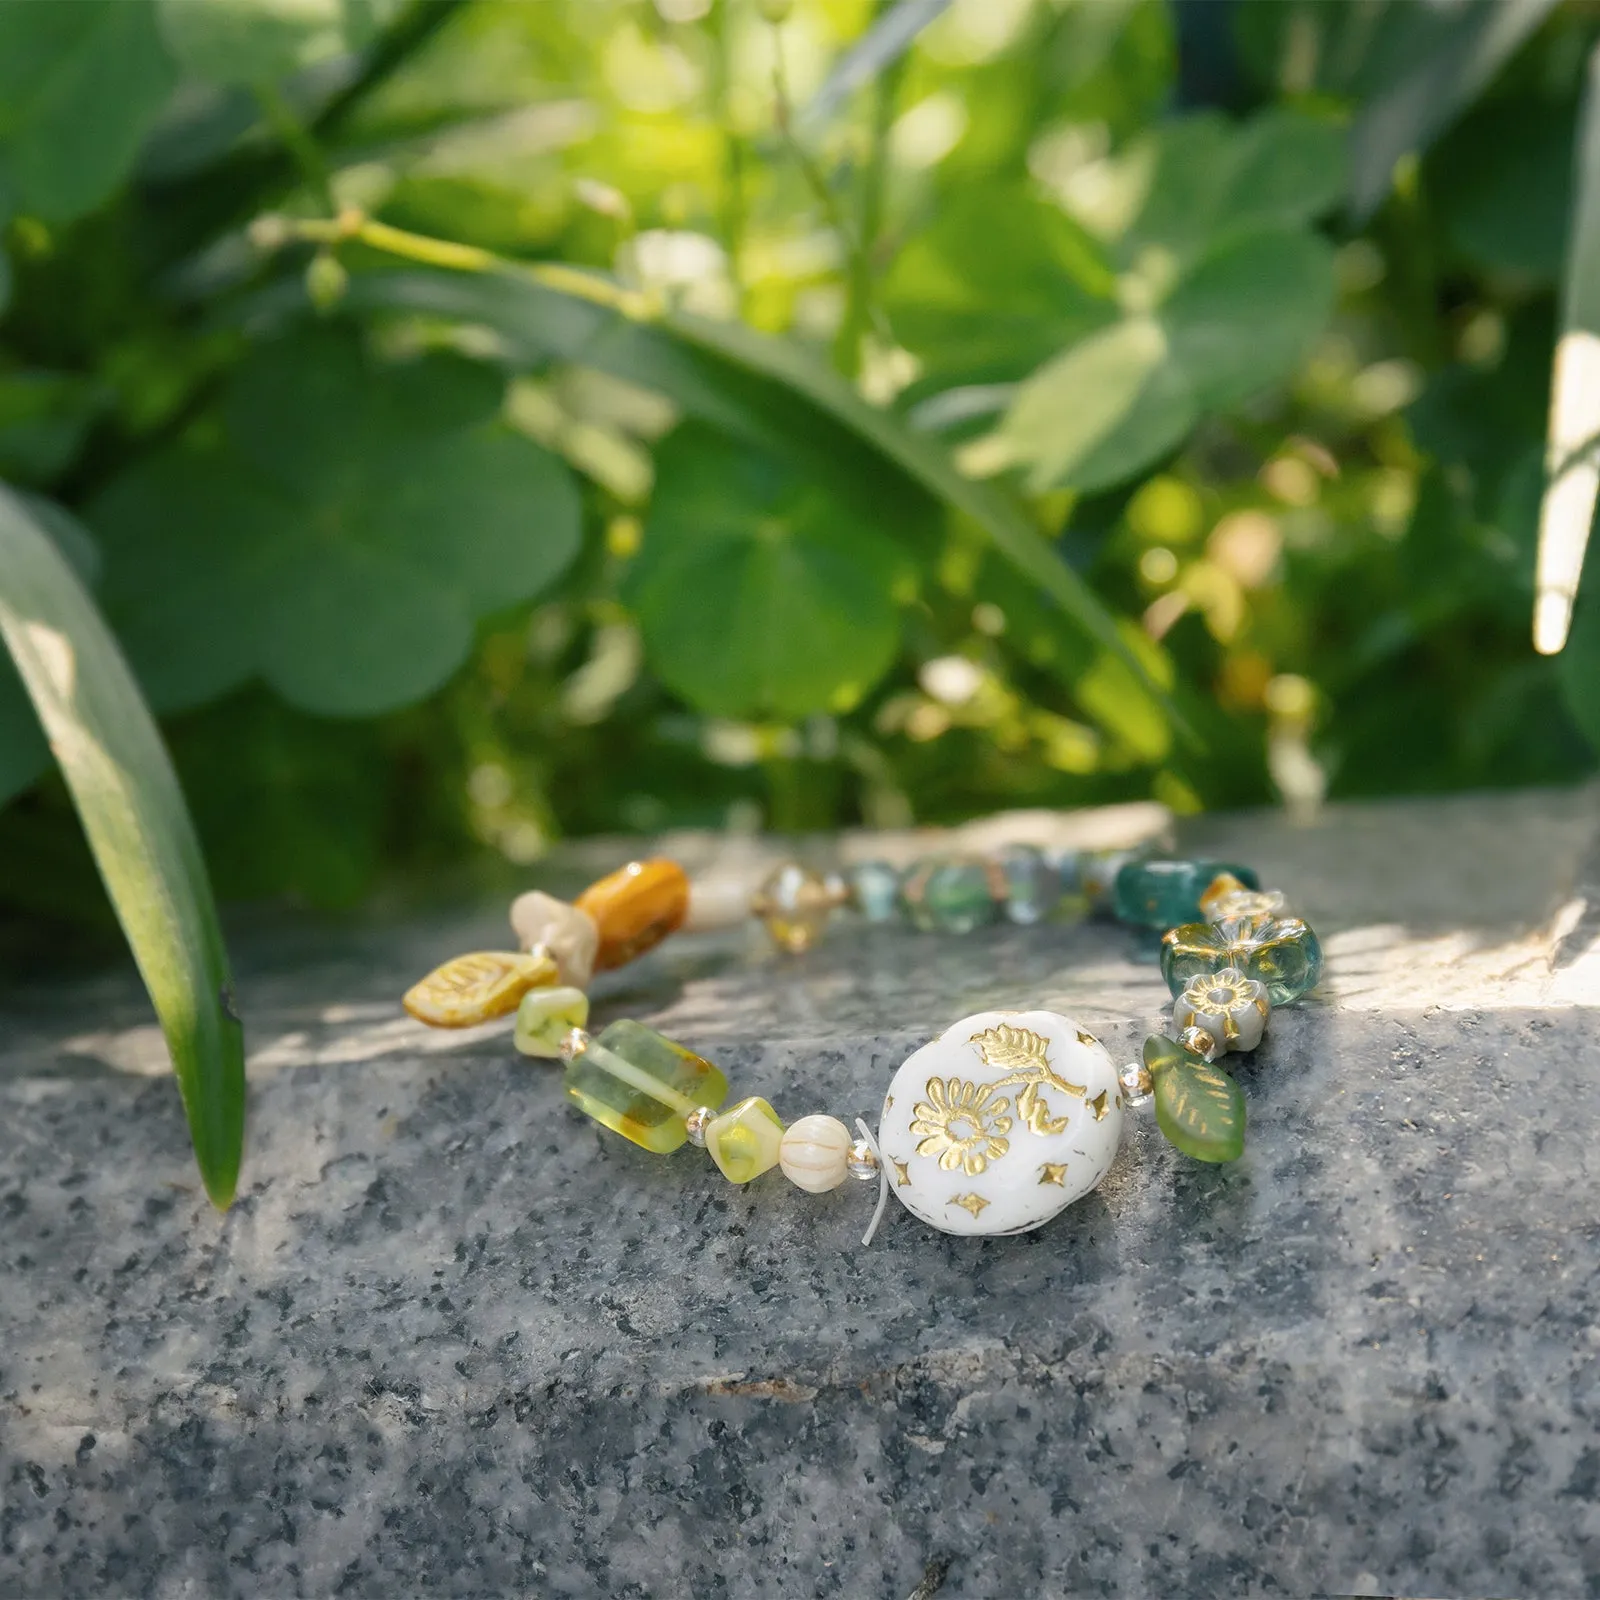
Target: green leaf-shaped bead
(1198, 1106)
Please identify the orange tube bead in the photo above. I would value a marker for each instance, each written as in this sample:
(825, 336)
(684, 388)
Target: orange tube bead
(635, 908)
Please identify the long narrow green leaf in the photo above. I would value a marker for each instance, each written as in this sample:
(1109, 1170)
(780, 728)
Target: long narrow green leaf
(1462, 47)
(874, 52)
(754, 386)
(133, 812)
(1573, 455)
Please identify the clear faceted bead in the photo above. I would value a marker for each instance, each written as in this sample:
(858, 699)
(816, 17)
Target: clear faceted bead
(794, 905)
(863, 1162)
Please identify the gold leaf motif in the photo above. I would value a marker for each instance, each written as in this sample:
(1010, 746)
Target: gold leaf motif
(902, 1172)
(1054, 1172)
(1024, 1057)
(477, 988)
(974, 1203)
(1007, 1048)
(1098, 1106)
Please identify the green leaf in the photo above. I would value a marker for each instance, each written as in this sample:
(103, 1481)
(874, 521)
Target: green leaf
(998, 277)
(260, 41)
(752, 387)
(758, 592)
(43, 418)
(138, 828)
(1456, 50)
(339, 533)
(1106, 409)
(80, 85)
(1242, 320)
(1502, 185)
(1102, 410)
(1198, 1106)
(1286, 167)
(1205, 177)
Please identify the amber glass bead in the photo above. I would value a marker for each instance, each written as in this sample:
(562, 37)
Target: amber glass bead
(635, 908)
(794, 905)
(642, 1085)
(477, 988)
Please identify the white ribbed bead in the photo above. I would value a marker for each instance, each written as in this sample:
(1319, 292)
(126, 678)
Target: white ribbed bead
(815, 1153)
(570, 935)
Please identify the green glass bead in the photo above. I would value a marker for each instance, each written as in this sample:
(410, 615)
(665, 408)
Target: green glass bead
(546, 1017)
(1282, 953)
(875, 890)
(1033, 888)
(641, 1085)
(745, 1140)
(1198, 1106)
(953, 894)
(1163, 894)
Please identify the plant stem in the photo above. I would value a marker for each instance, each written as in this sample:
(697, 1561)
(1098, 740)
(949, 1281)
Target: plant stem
(857, 268)
(859, 305)
(297, 140)
(735, 212)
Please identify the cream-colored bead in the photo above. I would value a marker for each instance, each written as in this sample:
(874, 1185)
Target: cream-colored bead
(815, 1153)
(570, 935)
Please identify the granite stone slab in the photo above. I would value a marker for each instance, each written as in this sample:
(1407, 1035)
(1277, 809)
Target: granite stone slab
(455, 1340)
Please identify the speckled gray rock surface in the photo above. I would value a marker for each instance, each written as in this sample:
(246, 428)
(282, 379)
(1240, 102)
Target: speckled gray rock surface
(454, 1340)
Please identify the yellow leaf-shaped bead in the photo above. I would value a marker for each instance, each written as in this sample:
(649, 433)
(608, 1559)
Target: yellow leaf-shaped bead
(635, 908)
(478, 987)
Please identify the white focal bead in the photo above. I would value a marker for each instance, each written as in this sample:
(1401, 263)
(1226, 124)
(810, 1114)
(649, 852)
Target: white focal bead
(1227, 1005)
(1007, 1117)
(815, 1153)
(570, 935)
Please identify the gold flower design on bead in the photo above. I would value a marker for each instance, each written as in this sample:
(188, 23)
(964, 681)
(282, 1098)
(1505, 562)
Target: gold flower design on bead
(1229, 1006)
(962, 1124)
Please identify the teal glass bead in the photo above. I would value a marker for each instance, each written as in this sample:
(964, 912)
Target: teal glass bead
(875, 890)
(1165, 894)
(1032, 887)
(1286, 956)
(953, 894)
(1280, 952)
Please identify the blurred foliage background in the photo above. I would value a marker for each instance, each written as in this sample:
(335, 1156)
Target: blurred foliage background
(419, 574)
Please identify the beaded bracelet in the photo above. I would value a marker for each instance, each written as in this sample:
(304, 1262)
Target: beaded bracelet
(993, 1127)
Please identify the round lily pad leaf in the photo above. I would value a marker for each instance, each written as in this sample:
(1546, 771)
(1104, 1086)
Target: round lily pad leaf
(338, 530)
(758, 592)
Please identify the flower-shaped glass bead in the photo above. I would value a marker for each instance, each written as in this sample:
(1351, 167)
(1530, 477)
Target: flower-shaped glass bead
(1280, 952)
(1227, 1005)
